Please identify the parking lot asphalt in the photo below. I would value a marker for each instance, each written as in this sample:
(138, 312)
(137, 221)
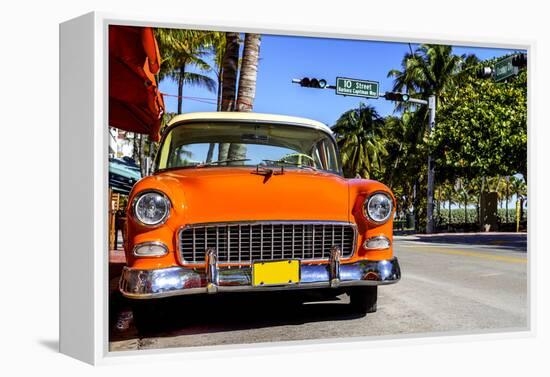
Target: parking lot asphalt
(450, 284)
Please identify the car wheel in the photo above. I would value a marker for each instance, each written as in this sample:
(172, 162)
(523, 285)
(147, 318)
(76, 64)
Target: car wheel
(363, 299)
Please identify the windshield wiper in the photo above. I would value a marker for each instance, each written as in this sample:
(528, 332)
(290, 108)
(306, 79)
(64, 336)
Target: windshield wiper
(279, 162)
(211, 163)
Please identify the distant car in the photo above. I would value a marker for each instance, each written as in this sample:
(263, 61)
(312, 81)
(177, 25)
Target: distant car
(123, 174)
(256, 202)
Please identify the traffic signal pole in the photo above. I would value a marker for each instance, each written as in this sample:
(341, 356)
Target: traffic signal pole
(431, 171)
(392, 96)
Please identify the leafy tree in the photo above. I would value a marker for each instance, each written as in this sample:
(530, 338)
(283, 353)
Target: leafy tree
(359, 133)
(482, 129)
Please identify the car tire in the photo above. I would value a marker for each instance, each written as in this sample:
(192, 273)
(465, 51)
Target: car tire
(363, 299)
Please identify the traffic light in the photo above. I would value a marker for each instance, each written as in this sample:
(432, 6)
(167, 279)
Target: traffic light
(396, 96)
(313, 83)
(484, 72)
(519, 60)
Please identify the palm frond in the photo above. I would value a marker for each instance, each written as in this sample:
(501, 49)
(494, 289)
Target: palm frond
(197, 79)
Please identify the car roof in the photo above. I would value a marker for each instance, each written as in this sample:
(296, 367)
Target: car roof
(234, 116)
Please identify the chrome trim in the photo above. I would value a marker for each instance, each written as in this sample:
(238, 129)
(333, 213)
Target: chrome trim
(376, 238)
(174, 281)
(240, 262)
(366, 212)
(334, 266)
(153, 243)
(211, 259)
(138, 196)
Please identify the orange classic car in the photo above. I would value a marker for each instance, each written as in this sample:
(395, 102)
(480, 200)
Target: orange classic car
(256, 202)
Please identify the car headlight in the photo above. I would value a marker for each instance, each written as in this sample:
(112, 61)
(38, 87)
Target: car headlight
(378, 207)
(151, 208)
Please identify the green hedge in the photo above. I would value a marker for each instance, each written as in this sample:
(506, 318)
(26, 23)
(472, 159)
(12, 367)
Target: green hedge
(457, 215)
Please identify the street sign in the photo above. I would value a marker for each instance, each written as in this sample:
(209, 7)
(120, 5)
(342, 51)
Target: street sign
(504, 69)
(357, 88)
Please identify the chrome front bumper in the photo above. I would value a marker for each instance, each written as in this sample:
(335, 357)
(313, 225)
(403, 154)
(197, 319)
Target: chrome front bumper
(174, 281)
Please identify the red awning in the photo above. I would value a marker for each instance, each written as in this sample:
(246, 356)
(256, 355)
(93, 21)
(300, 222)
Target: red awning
(135, 103)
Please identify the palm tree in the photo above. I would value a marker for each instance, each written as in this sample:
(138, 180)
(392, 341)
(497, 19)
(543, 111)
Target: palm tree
(431, 70)
(218, 48)
(477, 186)
(462, 189)
(448, 193)
(507, 196)
(249, 72)
(181, 49)
(519, 188)
(247, 86)
(359, 133)
(230, 67)
(394, 134)
(399, 160)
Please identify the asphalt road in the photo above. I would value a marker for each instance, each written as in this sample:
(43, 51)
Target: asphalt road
(450, 284)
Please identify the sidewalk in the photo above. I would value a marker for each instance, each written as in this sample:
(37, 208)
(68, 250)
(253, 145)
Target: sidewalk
(515, 241)
(117, 259)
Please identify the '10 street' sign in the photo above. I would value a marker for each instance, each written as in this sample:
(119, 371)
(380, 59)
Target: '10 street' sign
(357, 88)
(504, 69)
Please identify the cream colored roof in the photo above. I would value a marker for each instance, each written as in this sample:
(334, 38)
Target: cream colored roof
(250, 117)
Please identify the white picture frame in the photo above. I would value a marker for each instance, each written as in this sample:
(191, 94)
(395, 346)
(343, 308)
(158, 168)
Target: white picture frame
(83, 186)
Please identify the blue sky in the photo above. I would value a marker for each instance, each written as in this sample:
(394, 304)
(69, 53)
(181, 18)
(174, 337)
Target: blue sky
(283, 58)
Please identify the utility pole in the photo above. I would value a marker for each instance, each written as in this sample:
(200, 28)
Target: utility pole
(431, 170)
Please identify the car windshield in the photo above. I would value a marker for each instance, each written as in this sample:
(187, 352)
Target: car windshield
(205, 144)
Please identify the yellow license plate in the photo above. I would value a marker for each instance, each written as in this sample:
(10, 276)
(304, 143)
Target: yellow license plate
(276, 272)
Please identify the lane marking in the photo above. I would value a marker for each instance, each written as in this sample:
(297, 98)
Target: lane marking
(488, 275)
(466, 253)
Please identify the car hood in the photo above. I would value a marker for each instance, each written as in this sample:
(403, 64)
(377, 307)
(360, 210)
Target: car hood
(215, 194)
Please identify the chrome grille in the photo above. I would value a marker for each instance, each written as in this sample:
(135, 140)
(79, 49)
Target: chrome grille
(246, 242)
